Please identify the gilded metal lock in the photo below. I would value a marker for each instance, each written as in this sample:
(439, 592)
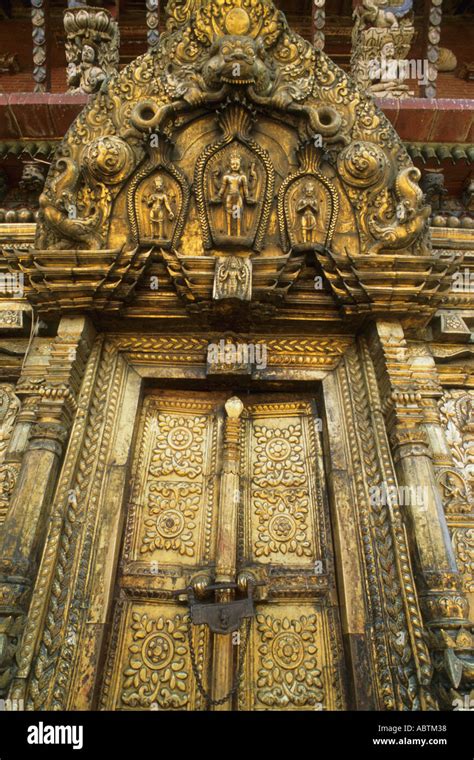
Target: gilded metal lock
(221, 617)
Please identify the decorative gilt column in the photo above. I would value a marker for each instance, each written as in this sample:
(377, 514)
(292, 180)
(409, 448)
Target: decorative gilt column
(226, 553)
(409, 393)
(42, 430)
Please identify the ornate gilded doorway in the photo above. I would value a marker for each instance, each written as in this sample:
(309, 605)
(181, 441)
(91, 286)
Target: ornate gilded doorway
(230, 492)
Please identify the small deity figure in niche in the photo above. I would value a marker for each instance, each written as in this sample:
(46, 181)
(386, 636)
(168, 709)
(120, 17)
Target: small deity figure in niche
(234, 194)
(233, 279)
(307, 207)
(158, 203)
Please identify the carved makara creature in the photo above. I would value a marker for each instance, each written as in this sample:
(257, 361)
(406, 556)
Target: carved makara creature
(61, 213)
(410, 217)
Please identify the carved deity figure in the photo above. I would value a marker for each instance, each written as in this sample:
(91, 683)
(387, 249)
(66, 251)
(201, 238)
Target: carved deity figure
(307, 208)
(159, 205)
(454, 494)
(92, 47)
(233, 278)
(87, 76)
(381, 39)
(234, 194)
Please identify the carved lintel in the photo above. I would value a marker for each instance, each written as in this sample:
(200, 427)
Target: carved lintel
(228, 357)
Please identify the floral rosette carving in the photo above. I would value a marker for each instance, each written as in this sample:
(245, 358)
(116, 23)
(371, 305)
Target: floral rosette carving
(282, 524)
(108, 159)
(157, 671)
(172, 512)
(288, 673)
(179, 446)
(279, 457)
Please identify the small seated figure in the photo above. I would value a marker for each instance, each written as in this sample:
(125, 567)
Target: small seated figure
(86, 76)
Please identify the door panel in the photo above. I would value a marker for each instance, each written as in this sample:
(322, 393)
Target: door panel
(169, 536)
(291, 663)
(183, 502)
(151, 660)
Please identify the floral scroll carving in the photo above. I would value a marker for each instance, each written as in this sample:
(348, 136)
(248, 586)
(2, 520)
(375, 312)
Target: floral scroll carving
(9, 408)
(463, 543)
(457, 482)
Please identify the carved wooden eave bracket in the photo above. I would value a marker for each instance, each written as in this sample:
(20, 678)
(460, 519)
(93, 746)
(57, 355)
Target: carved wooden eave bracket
(58, 282)
(234, 155)
(399, 285)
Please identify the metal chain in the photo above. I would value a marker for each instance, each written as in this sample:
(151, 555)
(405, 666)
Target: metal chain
(238, 675)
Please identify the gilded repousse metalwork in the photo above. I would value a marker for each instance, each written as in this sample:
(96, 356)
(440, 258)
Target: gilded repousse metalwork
(176, 506)
(232, 136)
(233, 186)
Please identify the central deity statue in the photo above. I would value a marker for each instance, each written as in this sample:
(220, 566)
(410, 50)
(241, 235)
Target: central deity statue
(234, 194)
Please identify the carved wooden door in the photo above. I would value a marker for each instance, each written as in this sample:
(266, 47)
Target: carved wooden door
(228, 492)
